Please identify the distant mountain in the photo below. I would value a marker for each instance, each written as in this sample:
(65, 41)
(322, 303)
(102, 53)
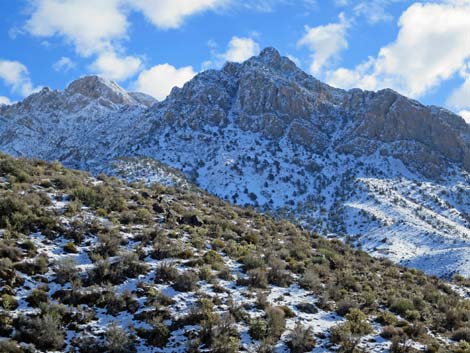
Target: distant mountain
(376, 168)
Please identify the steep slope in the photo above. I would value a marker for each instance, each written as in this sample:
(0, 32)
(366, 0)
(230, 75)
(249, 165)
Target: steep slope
(385, 171)
(99, 265)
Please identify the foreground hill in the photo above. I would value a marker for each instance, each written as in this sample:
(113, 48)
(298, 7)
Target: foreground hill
(99, 265)
(385, 171)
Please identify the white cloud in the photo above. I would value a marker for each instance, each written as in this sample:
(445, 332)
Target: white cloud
(460, 97)
(373, 11)
(5, 100)
(98, 28)
(160, 79)
(16, 75)
(465, 114)
(431, 46)
(239, 49)
(113, 67)
(89, 25)
(64, 64)
(167, 14)
(325, 42)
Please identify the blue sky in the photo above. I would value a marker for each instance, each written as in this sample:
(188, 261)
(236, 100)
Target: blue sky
(421, 49)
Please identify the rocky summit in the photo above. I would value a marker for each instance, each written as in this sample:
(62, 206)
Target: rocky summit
(382, 171)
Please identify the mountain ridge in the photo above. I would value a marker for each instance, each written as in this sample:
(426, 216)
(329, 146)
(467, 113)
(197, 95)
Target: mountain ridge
(384, 171)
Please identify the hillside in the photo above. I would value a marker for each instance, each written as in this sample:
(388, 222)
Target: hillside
(374, 168)
(96, 264)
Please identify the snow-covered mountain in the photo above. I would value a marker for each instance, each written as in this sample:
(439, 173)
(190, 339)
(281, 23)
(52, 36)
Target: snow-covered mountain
(376, 168)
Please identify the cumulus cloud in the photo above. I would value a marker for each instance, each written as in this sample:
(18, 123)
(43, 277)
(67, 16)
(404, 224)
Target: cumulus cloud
(432, 45)
(325, 42)
(160, 79)
(460, 97)
(113, 67)
(98, 28)
(465, 114)
(16, 75)
(89, 25)
(238, 50)
(64, 64)
(167, 14)
(5, 100)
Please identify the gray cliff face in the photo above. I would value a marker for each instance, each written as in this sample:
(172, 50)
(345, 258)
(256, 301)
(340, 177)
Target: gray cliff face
(266, 94)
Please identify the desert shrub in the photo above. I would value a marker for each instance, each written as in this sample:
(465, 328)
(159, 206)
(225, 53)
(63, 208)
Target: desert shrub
(144, 216)
(461, 347)
(9, 250)
(217, 244)
(401, 305)
(157, 336)
(412, 315)
(118, 341)
(453, 319)
(29, 246)
(277, 273)
(310, 280)
(344, 306)
(45, 332)
(225, 274)
(205, 273)
(108, 244)
(212, 258)
(18, 170)
(165, 248)
(258, 328)
(66, 270)
(462, 334)
(8, 302)
(415, 330)
(301, 339)
(186, 254)
(70, 248)
(10, 346)
(224, 336)
(400, 344)
(258, 278)
(348, 334)
(387, 318)
(252, 261)
(276, 321)
(87, 195)
(129, 265)
(388, 332)
(166, 273)
(358, 322)
(186, 281)
(15, 214)
(307, 307)
(37, 296)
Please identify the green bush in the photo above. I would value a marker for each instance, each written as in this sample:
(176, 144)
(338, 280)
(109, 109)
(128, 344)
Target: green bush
(117, 340)
(301, 339)
(401, 306)
(258, 328)
(276, 320)
(9, 346)
(462, 334)
(186, 282)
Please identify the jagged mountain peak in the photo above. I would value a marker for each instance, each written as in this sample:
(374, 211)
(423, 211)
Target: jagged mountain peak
(96, 87)
(264, 132)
